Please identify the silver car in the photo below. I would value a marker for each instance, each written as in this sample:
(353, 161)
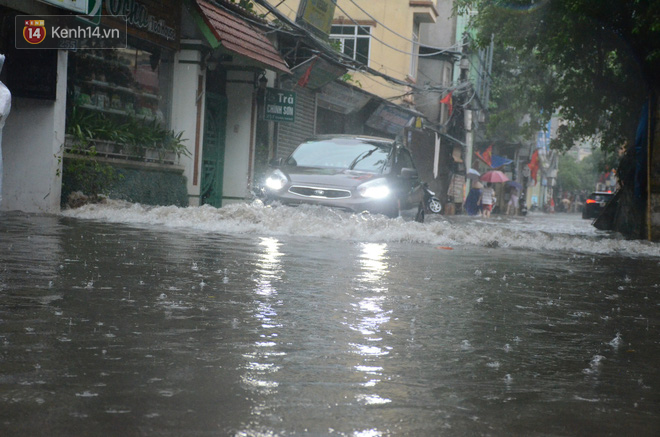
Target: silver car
(355, 173)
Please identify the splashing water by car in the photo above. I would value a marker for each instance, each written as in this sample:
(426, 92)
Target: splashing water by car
(354, 173)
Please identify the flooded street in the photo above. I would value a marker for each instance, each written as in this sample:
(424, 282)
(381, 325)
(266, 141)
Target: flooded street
(251, 321)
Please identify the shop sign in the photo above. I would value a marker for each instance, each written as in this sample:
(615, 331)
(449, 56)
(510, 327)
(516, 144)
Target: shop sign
(93, 14)
(155, 21)
(389, 119)
(78, 6)
(90, 10)
(543, 137)
(280, 105)
(317, 13)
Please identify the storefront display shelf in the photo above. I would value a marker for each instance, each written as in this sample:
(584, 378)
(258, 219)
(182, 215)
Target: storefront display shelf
(123, 89)
(119, 112)
(111, 149)
(98, 58)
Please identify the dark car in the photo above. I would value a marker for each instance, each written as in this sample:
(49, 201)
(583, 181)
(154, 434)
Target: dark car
(355, 173)
(595, 203)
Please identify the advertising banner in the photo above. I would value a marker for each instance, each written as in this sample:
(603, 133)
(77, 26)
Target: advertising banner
(317, 14)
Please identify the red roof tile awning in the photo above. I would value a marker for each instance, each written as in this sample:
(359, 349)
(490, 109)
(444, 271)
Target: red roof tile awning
(238, 36)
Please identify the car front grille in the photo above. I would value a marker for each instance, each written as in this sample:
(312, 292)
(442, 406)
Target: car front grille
(319, 193)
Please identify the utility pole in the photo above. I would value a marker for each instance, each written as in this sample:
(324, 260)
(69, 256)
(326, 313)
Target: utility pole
(469, 140)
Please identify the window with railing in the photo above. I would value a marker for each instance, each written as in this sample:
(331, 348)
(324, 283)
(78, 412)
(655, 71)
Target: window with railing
(353, 40)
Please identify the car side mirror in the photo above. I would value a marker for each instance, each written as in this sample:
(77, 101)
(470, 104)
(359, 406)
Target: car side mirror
(276, 162)
(409, 173)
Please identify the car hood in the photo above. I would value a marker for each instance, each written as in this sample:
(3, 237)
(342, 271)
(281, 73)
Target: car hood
(327, 177)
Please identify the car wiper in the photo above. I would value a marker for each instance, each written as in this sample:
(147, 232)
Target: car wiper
(360, 157)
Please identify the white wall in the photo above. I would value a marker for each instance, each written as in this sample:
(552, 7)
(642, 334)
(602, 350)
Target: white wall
(32, 142)
(239, 141)
(184, 112)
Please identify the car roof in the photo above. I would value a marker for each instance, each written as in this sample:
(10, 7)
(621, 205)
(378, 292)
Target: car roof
(347, 136)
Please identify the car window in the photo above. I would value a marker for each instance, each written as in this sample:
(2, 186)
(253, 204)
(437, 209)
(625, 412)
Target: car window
(405, 160)
(343, 153)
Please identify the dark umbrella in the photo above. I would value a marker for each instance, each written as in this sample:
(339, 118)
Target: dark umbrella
(516, 185)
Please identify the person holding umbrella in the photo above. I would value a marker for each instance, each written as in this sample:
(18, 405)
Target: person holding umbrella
(488, 199)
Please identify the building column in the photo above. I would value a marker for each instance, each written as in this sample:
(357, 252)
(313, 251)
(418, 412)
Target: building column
(188, 111)
(241, 130)
(33, 140)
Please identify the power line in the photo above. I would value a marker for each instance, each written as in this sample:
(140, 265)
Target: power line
(372, 36)
(269, 25)
(348, 61)
(368, 30)
(338, 57)
(440, 49)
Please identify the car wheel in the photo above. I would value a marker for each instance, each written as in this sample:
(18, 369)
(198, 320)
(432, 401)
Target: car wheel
(419, 218)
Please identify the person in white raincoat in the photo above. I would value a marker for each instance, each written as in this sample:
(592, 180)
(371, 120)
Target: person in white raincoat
(5, 107)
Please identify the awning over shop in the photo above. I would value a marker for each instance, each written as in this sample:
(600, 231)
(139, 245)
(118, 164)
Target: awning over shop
(318, 72)
(342, 98)
(238, 36)
(391, 118)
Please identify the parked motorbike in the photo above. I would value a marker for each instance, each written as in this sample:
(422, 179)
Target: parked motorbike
(430, 203)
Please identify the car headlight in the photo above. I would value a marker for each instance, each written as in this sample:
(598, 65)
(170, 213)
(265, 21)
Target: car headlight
(276, 181)
(376, 189)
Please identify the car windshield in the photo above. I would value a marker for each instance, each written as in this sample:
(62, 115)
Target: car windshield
(344, 153)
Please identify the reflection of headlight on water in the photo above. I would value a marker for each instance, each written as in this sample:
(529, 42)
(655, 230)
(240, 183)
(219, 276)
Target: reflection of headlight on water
(374, 190)
(276, 181)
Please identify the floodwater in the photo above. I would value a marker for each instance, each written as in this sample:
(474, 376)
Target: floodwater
(124, 320)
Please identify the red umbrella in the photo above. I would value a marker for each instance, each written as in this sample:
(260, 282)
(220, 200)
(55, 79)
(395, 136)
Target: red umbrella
(494, 176)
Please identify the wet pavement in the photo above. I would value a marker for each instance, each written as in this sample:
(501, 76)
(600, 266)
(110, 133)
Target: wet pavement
(251, 321)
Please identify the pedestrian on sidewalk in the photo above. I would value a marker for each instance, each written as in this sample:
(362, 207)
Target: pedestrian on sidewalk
(512, 206)
(472, 201)
(487, 199)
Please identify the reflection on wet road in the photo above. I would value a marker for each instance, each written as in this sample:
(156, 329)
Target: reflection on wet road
(152, 329)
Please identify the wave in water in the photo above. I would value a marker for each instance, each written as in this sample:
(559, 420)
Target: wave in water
(534, 232)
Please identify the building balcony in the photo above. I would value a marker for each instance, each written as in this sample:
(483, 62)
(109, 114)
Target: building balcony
(424, 11)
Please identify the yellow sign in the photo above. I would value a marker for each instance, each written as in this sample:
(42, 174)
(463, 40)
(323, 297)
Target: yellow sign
(317, 13)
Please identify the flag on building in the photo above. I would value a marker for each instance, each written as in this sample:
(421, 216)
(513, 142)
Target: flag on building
(447, 100)
(499, 161)
(486, 156)
(304, 79)
(534, 165)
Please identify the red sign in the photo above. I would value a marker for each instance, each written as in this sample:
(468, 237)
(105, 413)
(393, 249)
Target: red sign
(34, 31)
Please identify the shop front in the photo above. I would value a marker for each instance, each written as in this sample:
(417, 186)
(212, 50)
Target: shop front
(119, 101)
(234, 61)
(110, 106)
